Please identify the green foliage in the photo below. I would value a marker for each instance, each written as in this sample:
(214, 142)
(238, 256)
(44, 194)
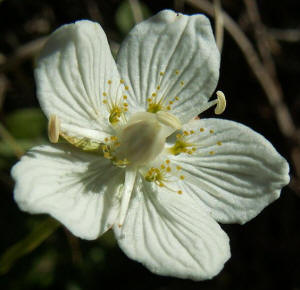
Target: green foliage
(38, 235)
(26, 123)
(7, 151)
(27, 128)
(124, 16)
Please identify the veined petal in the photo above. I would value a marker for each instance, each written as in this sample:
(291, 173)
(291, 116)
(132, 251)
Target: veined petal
(78, 189)
(73, 72)
(170, 57)
(235, 172)
(170, 235)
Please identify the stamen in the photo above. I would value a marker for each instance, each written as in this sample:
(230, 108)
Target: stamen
(161, 176)
(116, 107)
(160, 99)
(84, 144)
(183, 145)
(53, 128)
(220, 102)
(221, 105)
(169, 120)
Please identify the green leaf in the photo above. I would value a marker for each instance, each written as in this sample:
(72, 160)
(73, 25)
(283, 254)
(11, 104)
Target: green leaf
(26, 123)
(38, 235)
(124, 16)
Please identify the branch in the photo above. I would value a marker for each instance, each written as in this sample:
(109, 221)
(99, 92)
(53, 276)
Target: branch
(261, 36)
(271, 89)
(23, 52)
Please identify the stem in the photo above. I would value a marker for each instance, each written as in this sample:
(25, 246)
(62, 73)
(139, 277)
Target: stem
(9, 139)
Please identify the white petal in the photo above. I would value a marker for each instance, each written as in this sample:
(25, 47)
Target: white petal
(171, 236)
(237, 178)
(78, 189)
(72, 74)
(180, 46)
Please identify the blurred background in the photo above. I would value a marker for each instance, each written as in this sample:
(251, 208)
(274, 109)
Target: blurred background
(260, 75)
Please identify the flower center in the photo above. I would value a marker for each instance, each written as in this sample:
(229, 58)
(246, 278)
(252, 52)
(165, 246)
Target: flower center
(144, 136)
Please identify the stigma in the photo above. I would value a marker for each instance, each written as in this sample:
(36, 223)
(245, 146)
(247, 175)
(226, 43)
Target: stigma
(143, 138)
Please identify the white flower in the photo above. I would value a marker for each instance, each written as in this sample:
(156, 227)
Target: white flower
(135, 159)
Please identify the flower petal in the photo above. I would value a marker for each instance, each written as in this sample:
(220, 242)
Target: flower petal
(73, 71)
(78, 189)
(170, 235)
(235, 172)
(174, 56)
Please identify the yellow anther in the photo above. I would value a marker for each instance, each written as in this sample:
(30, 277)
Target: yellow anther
(126, 88)
(106, 139)
(161, 73)
(177, 72)
(221, 103)
(167, 161)
(149, 100)
(181, 177)
(104, 94)
(160, 176)
(219, 143)
(109, 82)
(181, 145)
(154, 107)
(182, 83)
(107, 155)
(176, 98)
(192, 132)
(168, 108)
(158, 88)
(122, 81)
(211, 152)
(125, 105)
(53, 128)
(178, 167)
(125, 97)
(113, 138)
(154, 95)
(201, 129)
(171, 102)
(104, 101)
(211, 131)
(115, 114)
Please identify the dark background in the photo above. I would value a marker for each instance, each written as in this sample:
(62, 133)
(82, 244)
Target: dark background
(265, 251)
